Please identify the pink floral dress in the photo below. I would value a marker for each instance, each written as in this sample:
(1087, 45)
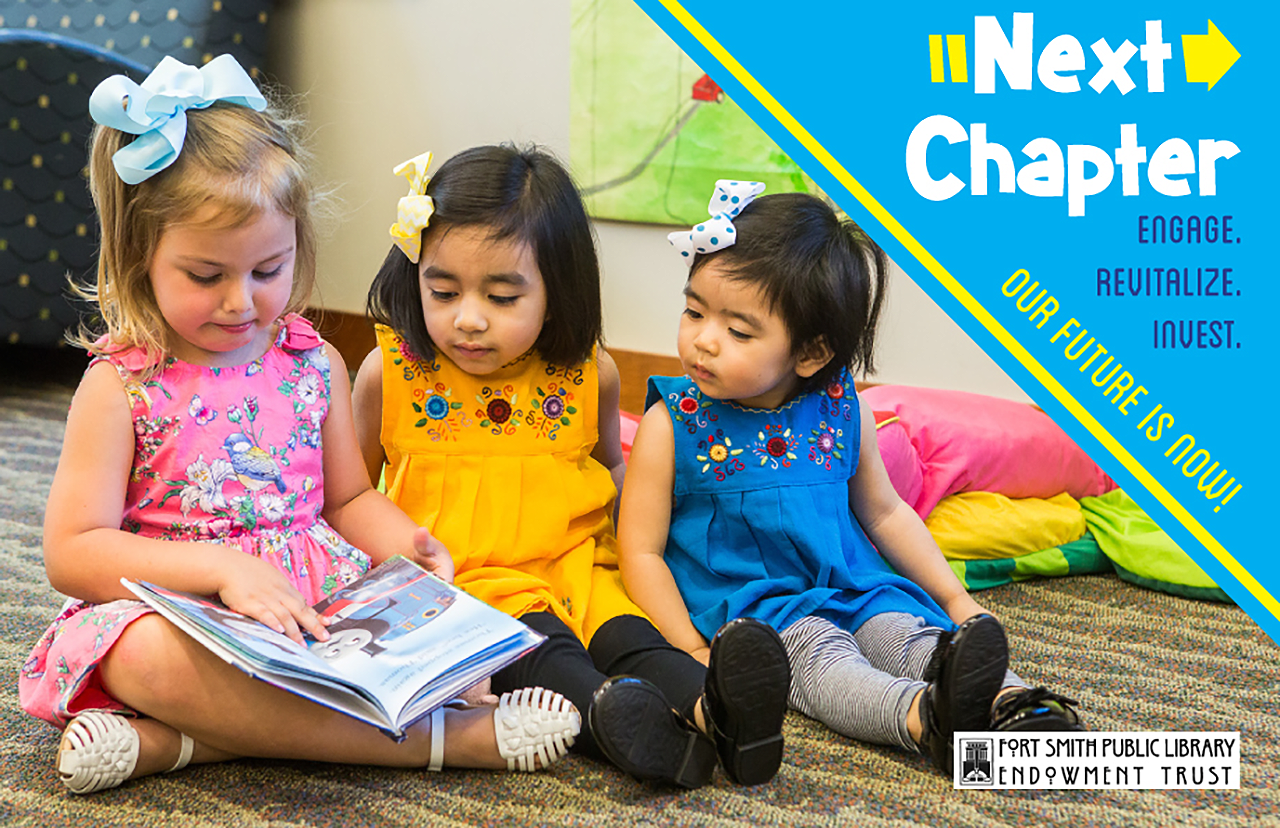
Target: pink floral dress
(222, 455)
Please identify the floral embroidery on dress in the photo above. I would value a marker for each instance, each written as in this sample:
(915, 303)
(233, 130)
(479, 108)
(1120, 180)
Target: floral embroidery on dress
(273, 507)
(545, 413)
(255, 508)
(825, 444)
(497, 411)
(834, 402)
(336, 580)
(775, 446)
(442, 415)
(573, 375)
(304, 388)
(413, 365)
(718, 455)
(688, 407)
(32, 668)
(551, 409)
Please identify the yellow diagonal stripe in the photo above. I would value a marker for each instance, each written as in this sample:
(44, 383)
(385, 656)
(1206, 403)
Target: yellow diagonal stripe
(959, 63)
(936, 71)
(980, 313)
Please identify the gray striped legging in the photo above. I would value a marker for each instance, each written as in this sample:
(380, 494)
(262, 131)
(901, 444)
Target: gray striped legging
(861, 684)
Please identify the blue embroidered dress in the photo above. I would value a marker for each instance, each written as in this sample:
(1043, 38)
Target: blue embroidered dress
(760, 520)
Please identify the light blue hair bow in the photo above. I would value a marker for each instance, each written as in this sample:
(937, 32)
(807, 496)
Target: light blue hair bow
(717, 232)
(156, 110)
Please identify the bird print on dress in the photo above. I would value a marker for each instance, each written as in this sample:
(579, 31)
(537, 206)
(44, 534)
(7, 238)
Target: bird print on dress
(254, 467)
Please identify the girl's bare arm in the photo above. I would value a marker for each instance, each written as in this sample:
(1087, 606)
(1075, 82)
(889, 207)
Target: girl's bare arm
(898, 532)
(608, 450)
(642, 531)
(366, 399)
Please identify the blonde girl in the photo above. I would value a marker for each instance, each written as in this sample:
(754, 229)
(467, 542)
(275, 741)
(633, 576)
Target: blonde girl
(210, 449)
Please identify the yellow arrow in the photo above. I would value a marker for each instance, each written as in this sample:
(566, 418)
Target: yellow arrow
(1208, 56)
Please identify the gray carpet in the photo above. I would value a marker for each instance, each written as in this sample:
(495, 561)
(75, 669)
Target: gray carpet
(1136, 659)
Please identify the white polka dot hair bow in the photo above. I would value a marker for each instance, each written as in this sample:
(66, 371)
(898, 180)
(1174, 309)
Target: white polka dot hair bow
(717, 232)
(156, 109)
(415, 209)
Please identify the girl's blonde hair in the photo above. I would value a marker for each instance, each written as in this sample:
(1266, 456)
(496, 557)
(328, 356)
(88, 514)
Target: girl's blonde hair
(240, 161)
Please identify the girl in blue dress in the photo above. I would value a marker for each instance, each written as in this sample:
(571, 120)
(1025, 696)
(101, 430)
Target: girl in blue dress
(755, 489)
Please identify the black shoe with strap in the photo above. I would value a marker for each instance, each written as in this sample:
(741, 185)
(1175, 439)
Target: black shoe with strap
(1036, 709)
(639, 731)
(745, 701)
(965, 673)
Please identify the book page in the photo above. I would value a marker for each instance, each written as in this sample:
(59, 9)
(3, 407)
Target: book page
(394, 634)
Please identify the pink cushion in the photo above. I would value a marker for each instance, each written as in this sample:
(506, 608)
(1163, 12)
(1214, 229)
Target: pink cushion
(971, 442)
(901, 459)
(629, 422)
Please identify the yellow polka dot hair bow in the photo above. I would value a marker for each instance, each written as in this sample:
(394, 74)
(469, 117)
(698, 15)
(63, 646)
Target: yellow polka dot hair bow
(415, 209)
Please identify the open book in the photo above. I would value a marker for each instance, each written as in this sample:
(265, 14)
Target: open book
(402, 642)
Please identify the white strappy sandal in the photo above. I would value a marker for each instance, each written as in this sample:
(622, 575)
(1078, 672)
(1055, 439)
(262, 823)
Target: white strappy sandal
(101, 751)
(535, 728)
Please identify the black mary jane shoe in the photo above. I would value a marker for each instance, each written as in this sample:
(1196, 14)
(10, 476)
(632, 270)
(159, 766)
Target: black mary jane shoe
(1036, 709)
(966, 672)
(745, 700)
(640, 732)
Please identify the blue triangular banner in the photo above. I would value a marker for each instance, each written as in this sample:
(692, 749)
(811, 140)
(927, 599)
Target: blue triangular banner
(1084, 190)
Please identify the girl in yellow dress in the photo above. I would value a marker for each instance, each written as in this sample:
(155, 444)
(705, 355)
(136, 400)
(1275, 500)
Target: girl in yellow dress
(495, 413)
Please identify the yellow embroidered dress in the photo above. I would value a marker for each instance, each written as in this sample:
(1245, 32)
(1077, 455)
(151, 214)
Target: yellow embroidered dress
(499, 468)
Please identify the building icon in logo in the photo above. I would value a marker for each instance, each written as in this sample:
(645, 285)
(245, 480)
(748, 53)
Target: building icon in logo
(975, 763)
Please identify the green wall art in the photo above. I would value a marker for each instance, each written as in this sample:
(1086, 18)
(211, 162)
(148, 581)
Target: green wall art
(650, 132)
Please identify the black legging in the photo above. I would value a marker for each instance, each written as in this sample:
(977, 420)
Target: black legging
(626, 645)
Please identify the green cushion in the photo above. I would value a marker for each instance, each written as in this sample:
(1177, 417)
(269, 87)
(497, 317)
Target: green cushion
(1080, 557)
(1141, 552)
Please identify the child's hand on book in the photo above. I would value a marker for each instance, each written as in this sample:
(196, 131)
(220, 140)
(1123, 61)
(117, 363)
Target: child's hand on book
(257, 589)
(431, 555)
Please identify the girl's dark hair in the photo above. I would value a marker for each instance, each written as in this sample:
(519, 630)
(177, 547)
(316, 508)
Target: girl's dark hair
(822, 275)
(518, 193)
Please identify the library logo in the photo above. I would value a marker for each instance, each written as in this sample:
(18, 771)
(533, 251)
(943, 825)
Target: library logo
(975, 763)
(1097, 760)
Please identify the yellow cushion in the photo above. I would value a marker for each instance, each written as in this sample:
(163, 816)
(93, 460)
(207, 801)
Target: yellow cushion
(972, 526)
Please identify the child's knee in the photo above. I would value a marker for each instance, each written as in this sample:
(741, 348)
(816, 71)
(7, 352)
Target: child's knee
(814, 643)
(147, 664)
